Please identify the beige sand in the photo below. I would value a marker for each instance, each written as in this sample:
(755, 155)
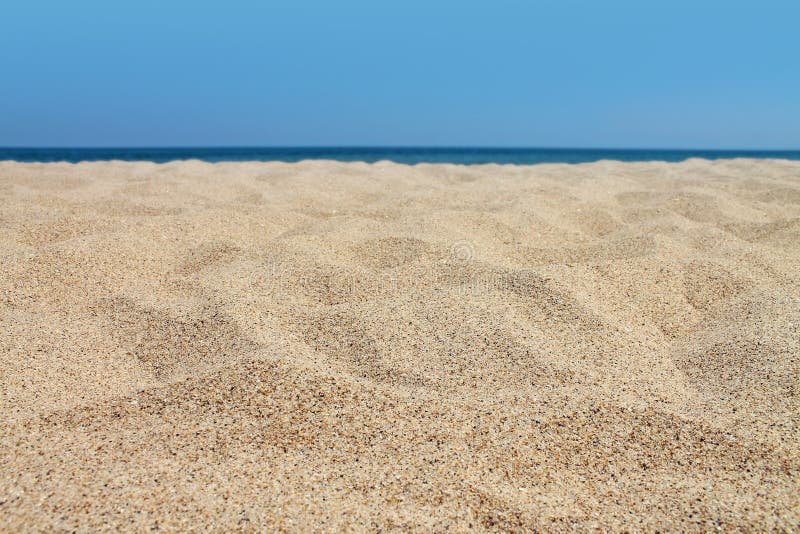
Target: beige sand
(321, 345)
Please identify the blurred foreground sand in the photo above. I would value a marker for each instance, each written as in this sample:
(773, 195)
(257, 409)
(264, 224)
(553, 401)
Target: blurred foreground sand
(324, 346)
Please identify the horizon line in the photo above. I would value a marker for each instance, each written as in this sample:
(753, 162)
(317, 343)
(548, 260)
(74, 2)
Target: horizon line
(389, 147)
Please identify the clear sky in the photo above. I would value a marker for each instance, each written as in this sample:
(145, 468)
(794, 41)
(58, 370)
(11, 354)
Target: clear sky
(674, 74)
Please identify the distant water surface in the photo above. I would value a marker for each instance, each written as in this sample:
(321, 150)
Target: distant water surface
(410, 155)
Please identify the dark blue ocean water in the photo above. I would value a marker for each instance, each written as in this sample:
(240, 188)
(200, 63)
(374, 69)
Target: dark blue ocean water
(409, 155)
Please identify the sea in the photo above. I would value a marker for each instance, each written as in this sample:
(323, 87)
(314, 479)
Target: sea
(408, 155)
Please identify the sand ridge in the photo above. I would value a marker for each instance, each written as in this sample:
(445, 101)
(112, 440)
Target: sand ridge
(326, 346)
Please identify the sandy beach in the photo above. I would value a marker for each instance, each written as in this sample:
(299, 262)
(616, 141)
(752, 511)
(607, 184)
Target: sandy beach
(325, 346)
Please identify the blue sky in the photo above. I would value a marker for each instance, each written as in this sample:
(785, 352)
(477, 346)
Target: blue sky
(680, 74)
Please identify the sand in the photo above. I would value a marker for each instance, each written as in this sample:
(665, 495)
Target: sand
(350, 346)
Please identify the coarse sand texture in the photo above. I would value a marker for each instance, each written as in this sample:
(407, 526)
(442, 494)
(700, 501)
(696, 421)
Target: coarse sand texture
(326, 346)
